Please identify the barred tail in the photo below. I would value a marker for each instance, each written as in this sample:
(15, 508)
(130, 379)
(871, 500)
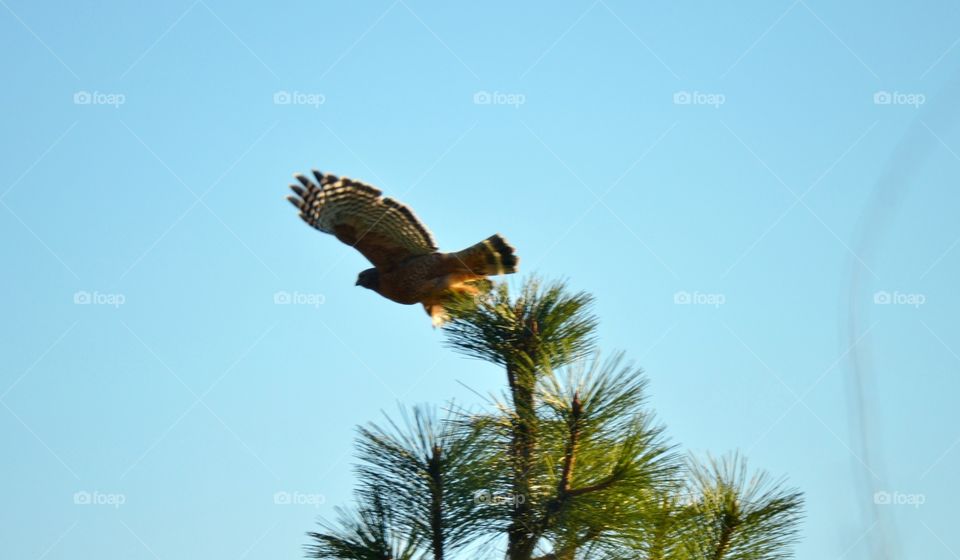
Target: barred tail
(491, 256)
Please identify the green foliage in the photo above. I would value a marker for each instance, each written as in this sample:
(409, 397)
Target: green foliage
(738, 516)
(426, 473)
(608, 457)
(370, 533)
(542, 326)
(569, 465)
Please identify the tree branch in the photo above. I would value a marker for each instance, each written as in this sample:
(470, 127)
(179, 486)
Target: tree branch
(434, 468)
(569, 456)
(607, 483)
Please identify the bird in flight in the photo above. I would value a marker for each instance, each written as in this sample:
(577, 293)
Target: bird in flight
(407, 267)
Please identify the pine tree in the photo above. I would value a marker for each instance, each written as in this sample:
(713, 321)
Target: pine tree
(568, 464)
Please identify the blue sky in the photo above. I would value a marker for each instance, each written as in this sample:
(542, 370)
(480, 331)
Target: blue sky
(155, 399)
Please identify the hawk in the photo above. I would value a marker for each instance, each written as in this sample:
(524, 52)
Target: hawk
(407, 267)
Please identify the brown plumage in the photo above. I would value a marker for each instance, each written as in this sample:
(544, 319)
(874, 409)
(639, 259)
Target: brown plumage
(408, 268)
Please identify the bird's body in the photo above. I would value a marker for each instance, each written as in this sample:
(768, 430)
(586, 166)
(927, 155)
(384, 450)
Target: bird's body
(408, 268)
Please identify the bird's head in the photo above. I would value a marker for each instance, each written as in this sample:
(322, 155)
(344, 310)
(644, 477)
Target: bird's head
(370, 279)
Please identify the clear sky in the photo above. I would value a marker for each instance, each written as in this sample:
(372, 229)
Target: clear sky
(155, 398)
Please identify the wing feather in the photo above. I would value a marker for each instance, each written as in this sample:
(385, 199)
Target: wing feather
(385, 231)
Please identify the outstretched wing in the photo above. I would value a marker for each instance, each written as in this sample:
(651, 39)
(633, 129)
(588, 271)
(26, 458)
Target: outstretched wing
(382, 229)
